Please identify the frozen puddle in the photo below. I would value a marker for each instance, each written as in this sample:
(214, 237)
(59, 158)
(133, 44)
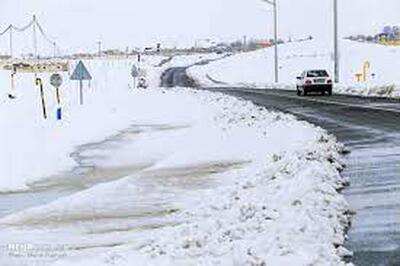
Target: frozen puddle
(86, 174)
(107, 160)
(92, 169)
(16, 202)
(102, 202)
(140, 195)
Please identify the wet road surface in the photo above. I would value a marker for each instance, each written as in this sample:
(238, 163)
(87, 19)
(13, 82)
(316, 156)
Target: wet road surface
(370, 128)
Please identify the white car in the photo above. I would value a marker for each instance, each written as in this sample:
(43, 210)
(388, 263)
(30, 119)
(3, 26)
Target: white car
(314, 81)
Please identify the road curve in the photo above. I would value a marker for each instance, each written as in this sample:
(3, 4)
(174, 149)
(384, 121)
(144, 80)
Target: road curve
(370, 128)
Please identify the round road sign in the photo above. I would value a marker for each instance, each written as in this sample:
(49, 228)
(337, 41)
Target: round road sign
(134, 71)
(56, 80)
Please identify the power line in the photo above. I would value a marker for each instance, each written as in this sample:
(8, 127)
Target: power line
(34, 23)
(6, 30)
(44, 35)
(25, 27)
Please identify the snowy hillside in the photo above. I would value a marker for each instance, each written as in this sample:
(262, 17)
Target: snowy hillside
(256, 68)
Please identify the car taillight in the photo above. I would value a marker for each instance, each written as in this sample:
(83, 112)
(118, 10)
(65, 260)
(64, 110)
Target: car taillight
(329, 81)
(308, 82)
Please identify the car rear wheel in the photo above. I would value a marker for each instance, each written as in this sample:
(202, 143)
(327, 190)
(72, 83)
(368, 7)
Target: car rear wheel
(298, 91)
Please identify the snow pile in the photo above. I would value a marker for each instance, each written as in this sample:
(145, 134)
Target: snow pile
(255, 69)
(218, 180)
(282, 208)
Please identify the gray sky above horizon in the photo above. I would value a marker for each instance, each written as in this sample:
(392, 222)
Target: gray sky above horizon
(78, 24)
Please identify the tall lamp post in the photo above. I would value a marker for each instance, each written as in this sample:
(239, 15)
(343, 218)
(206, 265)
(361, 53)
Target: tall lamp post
(274, 4)
(336, 40)
(99, 44)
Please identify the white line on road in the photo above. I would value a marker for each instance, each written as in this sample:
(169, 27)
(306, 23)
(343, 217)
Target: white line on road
(326, 102)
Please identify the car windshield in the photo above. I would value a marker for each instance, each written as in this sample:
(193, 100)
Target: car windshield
(317, 74)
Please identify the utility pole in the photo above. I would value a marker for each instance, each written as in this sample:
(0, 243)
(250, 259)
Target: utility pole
(11, 42)
(35, 47)
(55, 49)
(336, 41)
(276, 55)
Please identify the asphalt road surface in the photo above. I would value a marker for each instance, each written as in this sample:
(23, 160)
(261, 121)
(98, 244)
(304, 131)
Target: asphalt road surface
(370, 128)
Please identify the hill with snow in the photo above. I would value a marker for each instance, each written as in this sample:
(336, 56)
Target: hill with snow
(256, 68)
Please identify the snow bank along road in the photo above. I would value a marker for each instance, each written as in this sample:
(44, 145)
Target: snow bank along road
(370, 127)
(164, 177)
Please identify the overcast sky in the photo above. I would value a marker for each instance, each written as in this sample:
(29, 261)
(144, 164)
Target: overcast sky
(78, 24)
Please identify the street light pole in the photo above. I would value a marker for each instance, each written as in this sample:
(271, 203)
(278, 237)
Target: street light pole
(99, 43)
(336, 41)
(274, 4)
(276, 42)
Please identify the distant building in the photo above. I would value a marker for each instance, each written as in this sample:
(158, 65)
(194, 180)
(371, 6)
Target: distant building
(387, 30)
(390, 35)
(5, 57)
(264, 43)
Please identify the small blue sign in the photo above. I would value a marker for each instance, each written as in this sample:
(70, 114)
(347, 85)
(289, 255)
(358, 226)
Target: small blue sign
(59, 113)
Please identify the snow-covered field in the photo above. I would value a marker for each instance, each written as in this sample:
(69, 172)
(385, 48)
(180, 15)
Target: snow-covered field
(256, 68)
(109, 105)
(202, 178)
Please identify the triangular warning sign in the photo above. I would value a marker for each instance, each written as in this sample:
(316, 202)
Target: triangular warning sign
(81, 72)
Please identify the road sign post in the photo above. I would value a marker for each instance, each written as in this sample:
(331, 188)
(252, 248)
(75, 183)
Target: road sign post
(366, 67)
(12, 83)
(11, 95)
(56, 81)
(81, 92)
(58, 96)
(81, 73)
(40, 84)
